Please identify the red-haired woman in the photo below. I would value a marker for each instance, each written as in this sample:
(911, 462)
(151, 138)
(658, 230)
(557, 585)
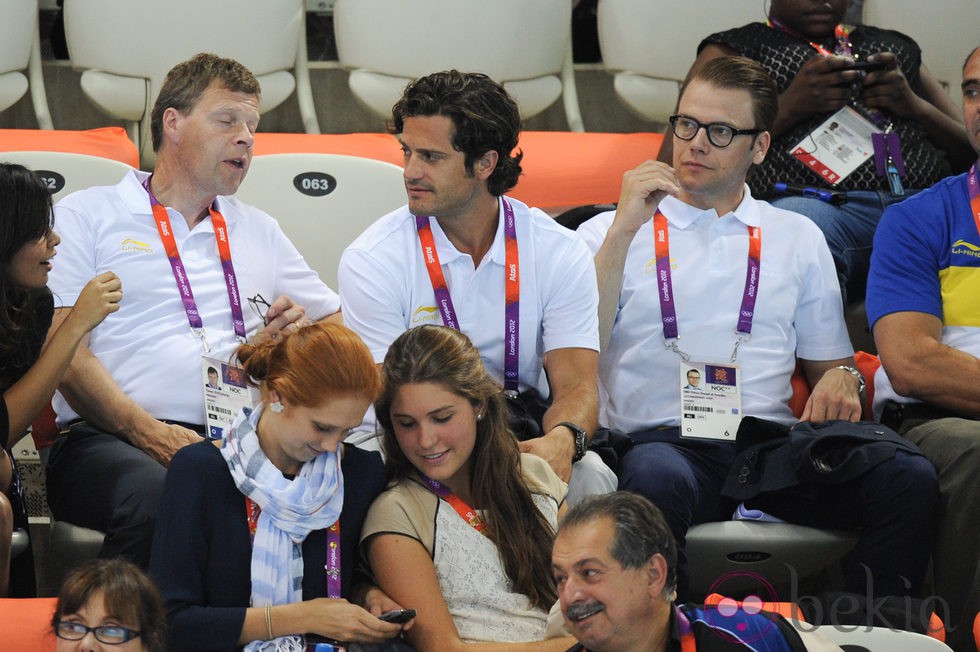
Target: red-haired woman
(256, 540)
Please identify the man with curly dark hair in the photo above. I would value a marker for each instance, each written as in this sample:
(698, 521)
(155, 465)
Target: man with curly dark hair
(463, 254)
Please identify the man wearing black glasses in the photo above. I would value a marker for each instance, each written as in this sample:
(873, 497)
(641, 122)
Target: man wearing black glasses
(694, 273)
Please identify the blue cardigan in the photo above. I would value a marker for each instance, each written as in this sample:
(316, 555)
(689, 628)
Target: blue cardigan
(201, 557)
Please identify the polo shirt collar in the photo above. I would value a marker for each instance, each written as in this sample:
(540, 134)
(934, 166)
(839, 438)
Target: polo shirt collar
(448, 251)
(682, 215)
(137, 201)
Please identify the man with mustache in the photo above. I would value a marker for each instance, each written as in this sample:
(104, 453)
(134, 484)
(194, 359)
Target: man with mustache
(922, 304)
(191, 256)
(614, 563)
(463, 254)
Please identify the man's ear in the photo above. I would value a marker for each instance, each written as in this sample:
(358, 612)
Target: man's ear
(171, 119)
(656, 574)
(486, 164)
(761, 147)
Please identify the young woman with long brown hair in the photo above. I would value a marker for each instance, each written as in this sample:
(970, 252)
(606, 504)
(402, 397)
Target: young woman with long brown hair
(464, 531)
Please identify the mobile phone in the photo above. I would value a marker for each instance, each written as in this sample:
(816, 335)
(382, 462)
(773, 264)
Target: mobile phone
(867, 66)
(398, 616)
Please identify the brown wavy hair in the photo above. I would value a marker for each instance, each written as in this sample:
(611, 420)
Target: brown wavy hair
(314, 363)
(484, 118)
(445, 356)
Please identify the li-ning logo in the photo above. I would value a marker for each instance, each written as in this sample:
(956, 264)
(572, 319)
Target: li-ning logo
(964, 248)
(425, 314)
(135, 246)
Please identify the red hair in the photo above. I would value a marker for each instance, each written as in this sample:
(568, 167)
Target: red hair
(315, 362)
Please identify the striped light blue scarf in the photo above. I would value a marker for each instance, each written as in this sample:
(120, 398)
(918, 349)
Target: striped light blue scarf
(291, 509)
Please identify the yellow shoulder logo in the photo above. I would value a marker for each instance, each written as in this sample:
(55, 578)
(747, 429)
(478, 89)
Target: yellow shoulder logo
(425, 314)
(136, 246)
(964, 243)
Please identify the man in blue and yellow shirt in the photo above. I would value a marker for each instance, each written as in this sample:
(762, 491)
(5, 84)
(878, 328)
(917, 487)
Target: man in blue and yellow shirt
(922, 302)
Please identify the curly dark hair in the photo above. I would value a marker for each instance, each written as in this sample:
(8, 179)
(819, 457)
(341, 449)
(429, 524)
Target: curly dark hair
(484, 118)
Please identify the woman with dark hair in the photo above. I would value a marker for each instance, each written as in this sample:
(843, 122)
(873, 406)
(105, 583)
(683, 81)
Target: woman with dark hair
(463, 533)
(109, 604)
(256, 540)
(28, 377)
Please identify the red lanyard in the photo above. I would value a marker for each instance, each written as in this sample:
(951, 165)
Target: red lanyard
(665, 290)
(465, 512)
(512, 289)
(841, 34)
(165, 229)
(332, 566)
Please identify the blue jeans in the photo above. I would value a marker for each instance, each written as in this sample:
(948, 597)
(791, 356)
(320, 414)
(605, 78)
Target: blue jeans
(849, 229)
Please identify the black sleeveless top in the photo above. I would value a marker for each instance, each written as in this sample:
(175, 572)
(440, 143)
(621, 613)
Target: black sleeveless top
(30, 341)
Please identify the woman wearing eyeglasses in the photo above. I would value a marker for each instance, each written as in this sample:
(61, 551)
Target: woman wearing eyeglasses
(256, 540)
(109, 605)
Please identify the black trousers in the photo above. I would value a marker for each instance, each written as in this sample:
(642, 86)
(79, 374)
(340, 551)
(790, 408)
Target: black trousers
(101, 482)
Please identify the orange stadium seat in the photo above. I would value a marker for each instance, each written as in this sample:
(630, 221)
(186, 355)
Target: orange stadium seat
(562, 169)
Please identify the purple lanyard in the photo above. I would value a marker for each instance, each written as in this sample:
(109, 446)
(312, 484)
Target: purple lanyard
(665, 289)
(333, 561)
(332, 567)
(165, 229)
(512, 289)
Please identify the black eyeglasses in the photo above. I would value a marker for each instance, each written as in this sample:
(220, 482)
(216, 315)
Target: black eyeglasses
(719, 133)
(260, 306)
(72, 630)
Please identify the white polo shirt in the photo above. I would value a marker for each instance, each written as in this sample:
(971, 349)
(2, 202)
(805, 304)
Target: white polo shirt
(385, 289)
(798, 311)
(148, 345)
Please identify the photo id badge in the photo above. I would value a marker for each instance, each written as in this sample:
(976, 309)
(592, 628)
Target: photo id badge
(838, 146)
(711, 400)
(225, 394)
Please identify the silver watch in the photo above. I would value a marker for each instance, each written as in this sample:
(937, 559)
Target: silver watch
(857, 374)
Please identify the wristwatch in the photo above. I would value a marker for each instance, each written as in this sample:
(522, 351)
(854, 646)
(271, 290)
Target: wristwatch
(857, 374)
(581, 439)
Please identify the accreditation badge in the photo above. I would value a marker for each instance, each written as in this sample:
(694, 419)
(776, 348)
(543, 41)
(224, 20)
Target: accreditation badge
(225, 394)
(711, 400)
(838, 146)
